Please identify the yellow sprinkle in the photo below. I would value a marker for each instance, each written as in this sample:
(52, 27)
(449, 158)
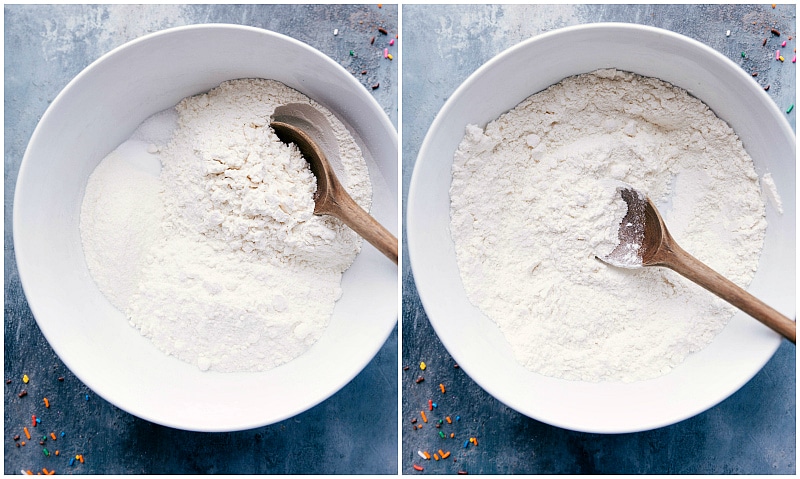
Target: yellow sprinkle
(781, 58)
(25, 378)
(389, 56)
(421, 366)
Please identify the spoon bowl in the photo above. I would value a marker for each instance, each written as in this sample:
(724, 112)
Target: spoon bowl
(645, 241)
(331, 198)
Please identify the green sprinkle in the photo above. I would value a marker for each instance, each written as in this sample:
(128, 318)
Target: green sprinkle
(46, 452)
(743, 55)
(791, 107)
(441, 434)
(352, 53)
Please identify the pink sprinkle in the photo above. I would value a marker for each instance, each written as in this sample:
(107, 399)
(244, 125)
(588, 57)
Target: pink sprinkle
(385, 53)
(794, 59)
(777, 54)
(783, 44)
(391, 42)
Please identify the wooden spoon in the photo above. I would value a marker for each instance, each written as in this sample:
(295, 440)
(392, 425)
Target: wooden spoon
(645, 241)
(331, 198)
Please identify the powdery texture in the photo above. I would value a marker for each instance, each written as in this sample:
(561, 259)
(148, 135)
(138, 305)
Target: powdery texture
(120, 219)
(530, 209)
(243, 276)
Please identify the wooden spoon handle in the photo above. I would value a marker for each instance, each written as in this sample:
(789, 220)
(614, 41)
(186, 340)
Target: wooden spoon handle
(342, 206)
(691, 268)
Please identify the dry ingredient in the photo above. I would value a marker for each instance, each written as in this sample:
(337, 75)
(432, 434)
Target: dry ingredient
(530, 210)
(201, 230)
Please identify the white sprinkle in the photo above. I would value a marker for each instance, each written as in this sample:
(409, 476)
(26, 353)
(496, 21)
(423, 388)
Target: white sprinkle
(728, 33)
(335, 31)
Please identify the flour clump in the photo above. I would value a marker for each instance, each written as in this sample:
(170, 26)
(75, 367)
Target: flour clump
(239, 275)
(530, 212)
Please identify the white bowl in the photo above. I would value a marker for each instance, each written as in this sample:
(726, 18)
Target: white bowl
(476, 343)
(97, 111)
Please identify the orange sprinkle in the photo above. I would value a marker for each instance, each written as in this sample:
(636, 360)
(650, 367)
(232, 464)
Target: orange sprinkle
(452, 435)
(473, 442)
(22, 443)
(446, 455)
(57, 452)
(449, 421)
(426, 454)
(419, 426)
(28, 472)
(435, 456)
(27, 434)
(441, 386)
(45, 471)
(46, 403)
(53, 435)
(422, 413)
(441, 453)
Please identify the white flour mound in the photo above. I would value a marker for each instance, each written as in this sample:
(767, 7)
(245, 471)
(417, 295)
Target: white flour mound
(530, 210)
(237, 274)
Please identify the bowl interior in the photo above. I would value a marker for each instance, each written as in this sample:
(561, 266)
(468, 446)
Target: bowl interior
(100, 109)
(476, 343)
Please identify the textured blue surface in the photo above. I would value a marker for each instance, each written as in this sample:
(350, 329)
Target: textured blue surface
(752, 432)
(45, 47)
(355, 431)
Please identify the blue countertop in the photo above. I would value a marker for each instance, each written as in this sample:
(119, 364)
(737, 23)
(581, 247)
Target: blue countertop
(752, 432)
(354, 431)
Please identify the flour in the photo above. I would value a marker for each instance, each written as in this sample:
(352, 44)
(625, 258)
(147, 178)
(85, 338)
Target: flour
(530, 210)
(770, 191)
(238, 273)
